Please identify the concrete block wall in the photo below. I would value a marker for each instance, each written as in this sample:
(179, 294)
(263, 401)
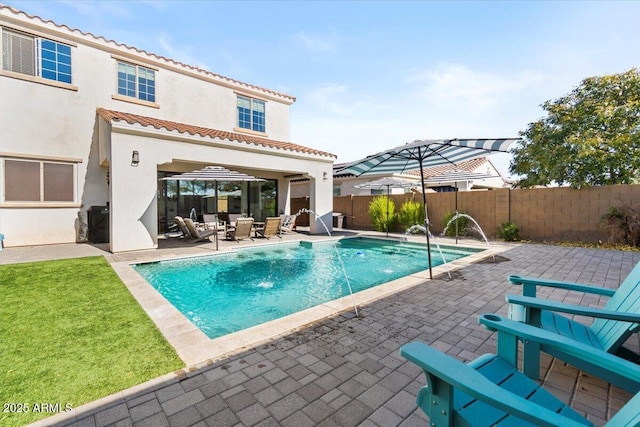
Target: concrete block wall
(553, 214)
(565, 214)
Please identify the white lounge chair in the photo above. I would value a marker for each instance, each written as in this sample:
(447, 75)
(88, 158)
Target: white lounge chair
(287, 223)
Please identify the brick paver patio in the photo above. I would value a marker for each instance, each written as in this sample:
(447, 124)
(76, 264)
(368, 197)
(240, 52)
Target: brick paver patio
(347, 371)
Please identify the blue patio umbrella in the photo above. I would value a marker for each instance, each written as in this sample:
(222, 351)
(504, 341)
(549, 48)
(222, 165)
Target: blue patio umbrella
(421, 154)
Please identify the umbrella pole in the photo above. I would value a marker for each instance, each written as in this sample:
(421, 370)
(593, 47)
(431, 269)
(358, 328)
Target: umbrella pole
(456, 212)
(215, 183)
(426, 217)
(386, 222)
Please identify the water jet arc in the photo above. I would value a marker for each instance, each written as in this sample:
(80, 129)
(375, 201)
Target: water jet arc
(344, 270)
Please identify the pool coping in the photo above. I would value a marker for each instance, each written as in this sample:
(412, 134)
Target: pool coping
(196, 349)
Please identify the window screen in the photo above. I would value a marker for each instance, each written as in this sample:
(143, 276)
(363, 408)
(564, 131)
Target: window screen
(22, 181)
(23, 178)
(58, 182)
(18, 53)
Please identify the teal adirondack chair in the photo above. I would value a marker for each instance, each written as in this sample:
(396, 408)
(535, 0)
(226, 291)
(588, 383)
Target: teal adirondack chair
(613, 324)
(613, 369)
(491, 391)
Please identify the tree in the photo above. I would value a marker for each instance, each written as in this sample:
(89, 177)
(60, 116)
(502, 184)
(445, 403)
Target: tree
(589, 137)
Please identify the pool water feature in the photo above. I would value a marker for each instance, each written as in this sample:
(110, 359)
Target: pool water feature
(344, 271)
(225, 293)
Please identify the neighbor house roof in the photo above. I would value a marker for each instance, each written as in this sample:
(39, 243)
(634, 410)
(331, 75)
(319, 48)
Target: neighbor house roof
(467, 165)
(152, 55)
(118, 116)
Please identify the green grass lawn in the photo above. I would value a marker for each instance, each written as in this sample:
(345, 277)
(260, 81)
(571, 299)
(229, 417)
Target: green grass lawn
(70, 333)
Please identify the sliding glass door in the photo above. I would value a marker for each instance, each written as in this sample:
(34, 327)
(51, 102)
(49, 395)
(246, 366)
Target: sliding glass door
(263, 199)
(180, 198)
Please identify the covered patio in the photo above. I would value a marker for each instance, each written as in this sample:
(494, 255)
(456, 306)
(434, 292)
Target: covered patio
(136, 151)
(346, 371)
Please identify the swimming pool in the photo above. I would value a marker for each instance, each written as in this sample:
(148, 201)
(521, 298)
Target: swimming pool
(229, 292)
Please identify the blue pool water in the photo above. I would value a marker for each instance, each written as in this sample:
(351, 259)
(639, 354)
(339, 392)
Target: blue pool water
(225, 293)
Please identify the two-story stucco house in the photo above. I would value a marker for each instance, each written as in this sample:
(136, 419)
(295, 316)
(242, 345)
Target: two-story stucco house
(88, 122)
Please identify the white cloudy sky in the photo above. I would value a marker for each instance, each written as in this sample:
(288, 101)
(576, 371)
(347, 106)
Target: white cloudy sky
(372, 75)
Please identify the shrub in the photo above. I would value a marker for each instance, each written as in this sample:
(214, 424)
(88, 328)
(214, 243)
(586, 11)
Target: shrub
(378, 213)
(623, 225)
(411, 213)
(508, 232)
(450, 231)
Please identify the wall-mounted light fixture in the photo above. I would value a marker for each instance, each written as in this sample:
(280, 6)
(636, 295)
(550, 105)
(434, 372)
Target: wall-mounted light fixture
(135, 158)
(325, 176)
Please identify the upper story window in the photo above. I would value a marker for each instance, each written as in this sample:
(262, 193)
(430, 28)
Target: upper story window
(36, 56)
(136, 81)
(251, 114)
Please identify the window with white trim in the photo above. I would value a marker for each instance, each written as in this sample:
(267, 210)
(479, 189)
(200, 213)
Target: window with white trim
(39, 181)
(36, 56)
(251, 114)
(136, 81)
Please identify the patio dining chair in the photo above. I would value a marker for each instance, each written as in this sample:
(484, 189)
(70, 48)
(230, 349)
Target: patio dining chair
(211, 221)
(241, 230)
(230, 221)
(270, 228)
(613, 324)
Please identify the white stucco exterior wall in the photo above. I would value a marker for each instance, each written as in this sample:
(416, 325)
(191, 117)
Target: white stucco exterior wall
(321, 196)
(42, 119)
(133, 189)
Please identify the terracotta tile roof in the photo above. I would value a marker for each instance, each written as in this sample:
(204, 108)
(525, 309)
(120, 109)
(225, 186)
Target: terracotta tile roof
(158, 57)
(118, 116)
